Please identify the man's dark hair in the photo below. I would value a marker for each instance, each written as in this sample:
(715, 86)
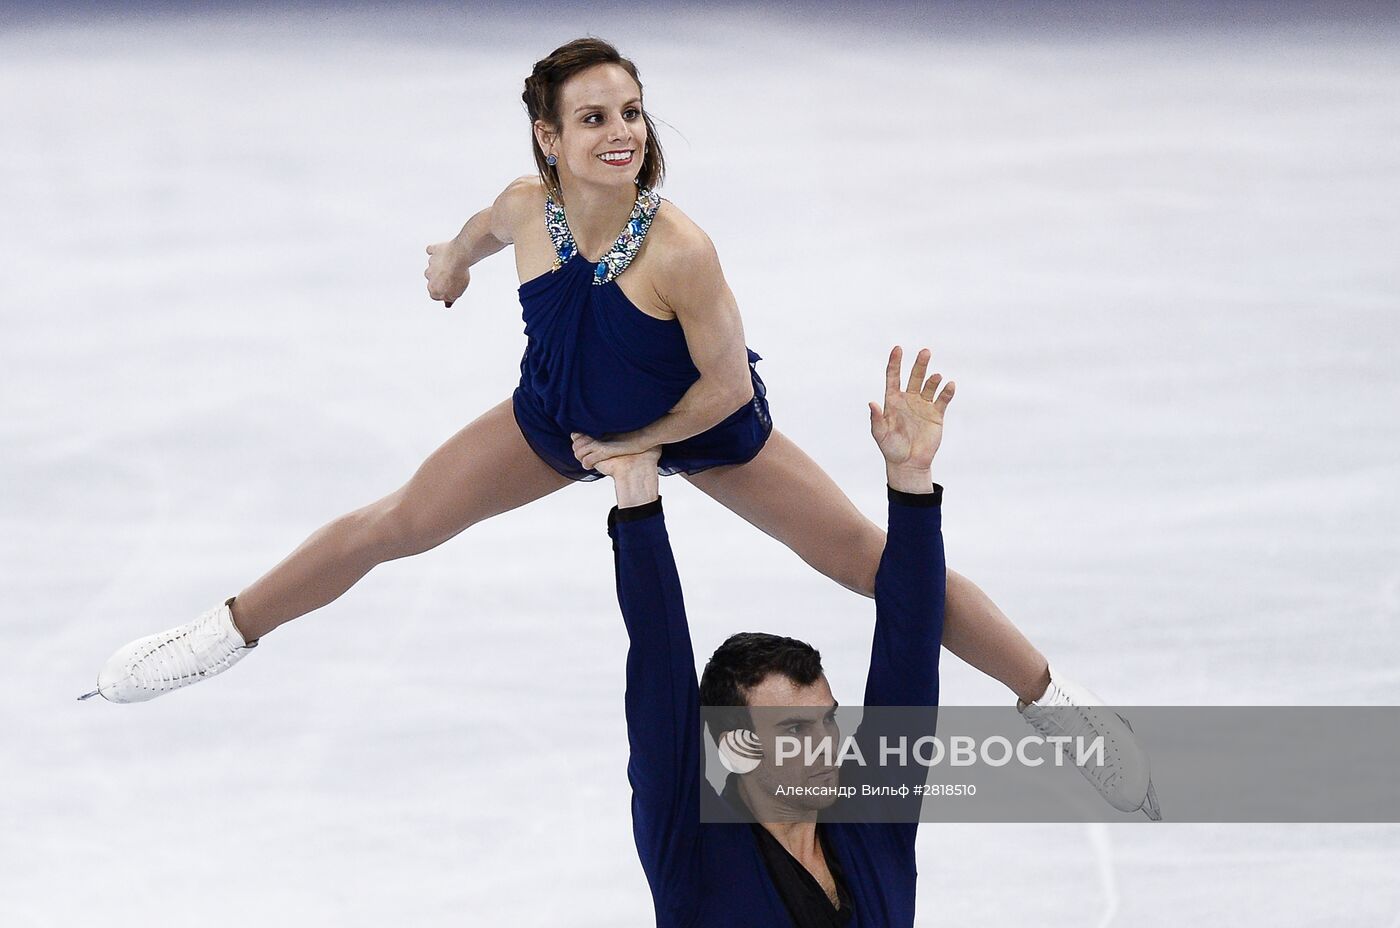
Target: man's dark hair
(744, 661)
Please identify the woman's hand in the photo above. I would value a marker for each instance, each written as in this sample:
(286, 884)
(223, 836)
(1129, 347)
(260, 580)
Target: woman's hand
(634, 477)
(448, 271)
(643, 462)
(909, 428)
(592, 452)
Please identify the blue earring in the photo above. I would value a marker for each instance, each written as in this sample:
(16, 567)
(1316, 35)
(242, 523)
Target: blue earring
(551, 161)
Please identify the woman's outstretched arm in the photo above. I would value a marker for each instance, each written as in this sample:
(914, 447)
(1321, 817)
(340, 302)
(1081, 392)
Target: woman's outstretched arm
(487, 232)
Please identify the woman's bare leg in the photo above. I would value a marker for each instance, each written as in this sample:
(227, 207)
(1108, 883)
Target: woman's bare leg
(482, 471)
(784, 493)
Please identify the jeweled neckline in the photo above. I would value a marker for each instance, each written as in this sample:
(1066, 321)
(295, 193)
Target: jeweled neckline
(619, 254)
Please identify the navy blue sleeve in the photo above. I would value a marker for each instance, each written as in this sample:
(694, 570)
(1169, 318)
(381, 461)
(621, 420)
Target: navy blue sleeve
(663, 710)
(909, 595)
(910, 586)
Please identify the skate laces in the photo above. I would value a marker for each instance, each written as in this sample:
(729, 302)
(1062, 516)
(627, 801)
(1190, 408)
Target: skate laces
(1089, 724)
(1070, 718)
(1071, 710)
(184, 655)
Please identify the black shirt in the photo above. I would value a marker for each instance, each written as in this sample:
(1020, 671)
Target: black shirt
(806, 901)
(803, 897)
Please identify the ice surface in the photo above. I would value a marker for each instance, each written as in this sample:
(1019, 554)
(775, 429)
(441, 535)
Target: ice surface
(1152, 254)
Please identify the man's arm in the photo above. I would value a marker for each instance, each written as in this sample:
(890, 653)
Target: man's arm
(909, 600)
(909, 590)
(910, 583)
(663, 698)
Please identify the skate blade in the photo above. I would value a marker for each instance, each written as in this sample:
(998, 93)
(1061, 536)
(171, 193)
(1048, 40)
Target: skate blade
(1150, 806)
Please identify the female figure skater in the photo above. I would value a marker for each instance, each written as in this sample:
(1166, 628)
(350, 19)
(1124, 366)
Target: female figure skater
(634, 342)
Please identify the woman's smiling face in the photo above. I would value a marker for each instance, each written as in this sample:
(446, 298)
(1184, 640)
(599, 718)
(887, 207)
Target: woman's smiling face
(602, 134)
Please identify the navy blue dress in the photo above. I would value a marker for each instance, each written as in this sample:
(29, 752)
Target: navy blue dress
(595, 363)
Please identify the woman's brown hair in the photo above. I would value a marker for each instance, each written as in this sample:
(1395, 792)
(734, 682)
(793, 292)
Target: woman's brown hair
(541, 98)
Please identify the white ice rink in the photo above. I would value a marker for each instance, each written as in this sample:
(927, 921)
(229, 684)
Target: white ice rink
(1152, 254)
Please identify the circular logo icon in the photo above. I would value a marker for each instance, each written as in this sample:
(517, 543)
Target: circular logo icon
(740, 751)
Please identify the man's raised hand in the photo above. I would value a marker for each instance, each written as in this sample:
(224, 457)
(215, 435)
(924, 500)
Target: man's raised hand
(909, 427)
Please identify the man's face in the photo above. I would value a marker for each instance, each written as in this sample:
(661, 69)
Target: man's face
(782, 709)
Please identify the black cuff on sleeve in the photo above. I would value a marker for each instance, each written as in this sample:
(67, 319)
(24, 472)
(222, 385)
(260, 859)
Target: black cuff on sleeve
(634, 513)
(917, 499)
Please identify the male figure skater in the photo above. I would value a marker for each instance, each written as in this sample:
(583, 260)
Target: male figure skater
(787, 869)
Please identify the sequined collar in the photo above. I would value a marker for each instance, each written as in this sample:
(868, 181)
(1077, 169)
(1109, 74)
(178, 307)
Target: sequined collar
(620, 254)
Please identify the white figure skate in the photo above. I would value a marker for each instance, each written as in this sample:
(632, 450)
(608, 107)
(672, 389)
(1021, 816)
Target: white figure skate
(1124, 780)
(169, 660)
